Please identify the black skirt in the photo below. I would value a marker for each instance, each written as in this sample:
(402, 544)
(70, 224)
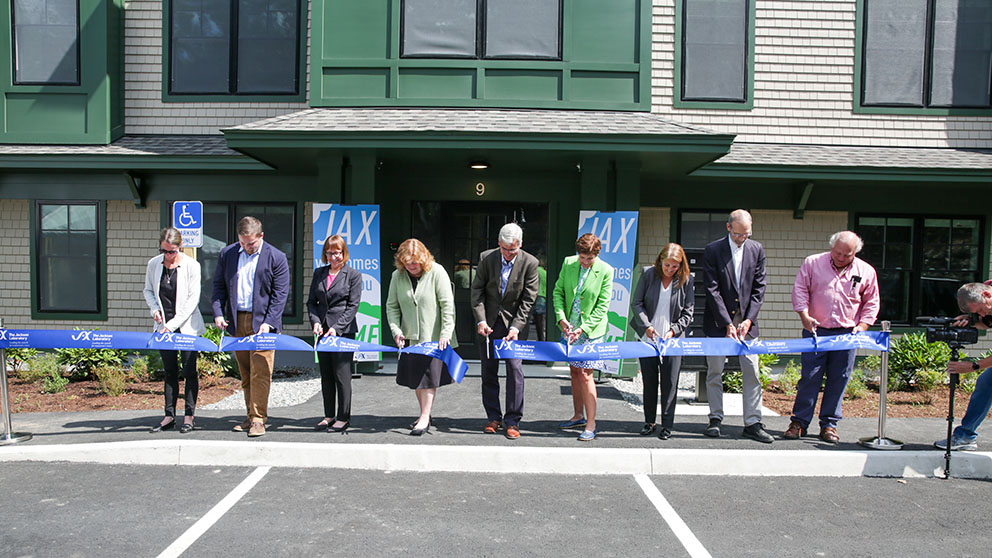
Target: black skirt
(421, 372)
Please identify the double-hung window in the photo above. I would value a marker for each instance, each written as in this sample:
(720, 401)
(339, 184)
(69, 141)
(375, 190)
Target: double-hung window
(234, 47)
(921, 262)
(927, 53)
(46, 42)
(509, 29)
(715, 51)
(68, 263)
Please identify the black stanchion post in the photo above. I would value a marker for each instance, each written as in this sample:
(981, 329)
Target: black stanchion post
(880, 442)
(9, 436)
(953, 383)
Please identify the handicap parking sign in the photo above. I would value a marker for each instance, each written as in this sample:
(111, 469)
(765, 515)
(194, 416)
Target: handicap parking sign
(187, 217)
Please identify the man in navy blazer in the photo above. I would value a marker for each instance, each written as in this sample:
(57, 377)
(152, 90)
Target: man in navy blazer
(251, 286)
(734, 278)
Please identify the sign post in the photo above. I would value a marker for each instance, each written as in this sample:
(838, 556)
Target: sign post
(187, 217)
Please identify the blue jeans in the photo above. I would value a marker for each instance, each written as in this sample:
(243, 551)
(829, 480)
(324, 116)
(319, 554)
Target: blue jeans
(978, 408)
(836, 366)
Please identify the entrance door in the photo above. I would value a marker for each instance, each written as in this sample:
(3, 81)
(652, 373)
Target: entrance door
(456, 233)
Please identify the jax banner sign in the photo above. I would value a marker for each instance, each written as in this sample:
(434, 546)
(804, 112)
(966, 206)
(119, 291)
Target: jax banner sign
(618, 232)
(94, 339)
(264, 342)
(547, 350)
(456, 366)
(334, 344)
(359, 226)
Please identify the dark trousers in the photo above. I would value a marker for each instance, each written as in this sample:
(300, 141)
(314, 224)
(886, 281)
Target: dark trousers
(490, 381)
(541, 324)
(653, 369)
(335, 384)
(170, 363)
(836, 366)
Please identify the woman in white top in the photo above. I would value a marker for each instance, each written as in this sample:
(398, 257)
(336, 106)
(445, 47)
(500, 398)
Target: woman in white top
(661, 308)
(172, 291)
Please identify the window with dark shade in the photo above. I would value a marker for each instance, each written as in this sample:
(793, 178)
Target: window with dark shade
(508, 29)
(927, 53)
(46, 42)
(714, 50)
(234, 47)
(67, 241)
(921, 262)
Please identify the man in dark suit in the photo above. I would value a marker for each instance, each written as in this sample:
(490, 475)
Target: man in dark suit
(503, 294)
(734, 278)
(251, 286)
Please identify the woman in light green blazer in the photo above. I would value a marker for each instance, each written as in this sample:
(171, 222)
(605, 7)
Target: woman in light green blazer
(582, 301)
(420, 307)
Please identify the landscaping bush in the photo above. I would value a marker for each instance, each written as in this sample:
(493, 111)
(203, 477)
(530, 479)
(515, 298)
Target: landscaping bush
(216, 364)
(857, 386)
(927, 382)
(139, 368)
(82, 362)
(911, 354)
(113, 379)
(733, 382)
(966, 382)
(55, 382)
(38, 367)
(16, 357)
(790, 378)
(765, 363)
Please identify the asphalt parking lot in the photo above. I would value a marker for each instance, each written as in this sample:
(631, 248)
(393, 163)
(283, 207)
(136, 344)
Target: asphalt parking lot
(82, 510)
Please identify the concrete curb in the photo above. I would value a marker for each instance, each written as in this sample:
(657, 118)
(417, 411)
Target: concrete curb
(487, 459)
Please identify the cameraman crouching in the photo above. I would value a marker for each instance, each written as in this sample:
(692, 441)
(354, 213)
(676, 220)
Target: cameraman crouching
(976, 300)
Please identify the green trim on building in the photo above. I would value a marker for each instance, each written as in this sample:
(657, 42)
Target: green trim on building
(844, 173)
(677, 100)
(606, 64)
(135, 162)
(89, 113)
(101, 315)
(299, 97)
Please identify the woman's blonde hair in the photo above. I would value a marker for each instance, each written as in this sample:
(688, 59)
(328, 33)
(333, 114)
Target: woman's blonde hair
(335, 241)
(413, 250)
(675, 252)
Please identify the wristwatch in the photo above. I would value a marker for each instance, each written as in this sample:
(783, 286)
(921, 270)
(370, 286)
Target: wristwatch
(975, 366)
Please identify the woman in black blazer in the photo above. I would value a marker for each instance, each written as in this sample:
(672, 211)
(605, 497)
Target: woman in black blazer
(335, 293)
(662, 308)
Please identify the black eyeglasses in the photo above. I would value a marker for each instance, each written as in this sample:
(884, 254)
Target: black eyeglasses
(163, 251)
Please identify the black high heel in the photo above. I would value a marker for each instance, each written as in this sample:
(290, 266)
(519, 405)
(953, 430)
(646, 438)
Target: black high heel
(186, 428)
(413, 424)
(421, 431)
(341, 428)
(162, 427)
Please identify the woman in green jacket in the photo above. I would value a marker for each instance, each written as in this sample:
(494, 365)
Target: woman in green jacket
(420, 307)
(582, 300)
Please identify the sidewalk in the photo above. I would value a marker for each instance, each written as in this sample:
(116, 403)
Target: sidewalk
(379, 438)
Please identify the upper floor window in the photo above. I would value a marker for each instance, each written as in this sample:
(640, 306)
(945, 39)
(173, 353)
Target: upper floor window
(46, 42)
(715, 50)
(69, 274)
(921, 262)
(514, 29)
(927, 53)
(234, 47)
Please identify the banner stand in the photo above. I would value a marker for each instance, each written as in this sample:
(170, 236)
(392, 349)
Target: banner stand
(880, 442)
(8, 437)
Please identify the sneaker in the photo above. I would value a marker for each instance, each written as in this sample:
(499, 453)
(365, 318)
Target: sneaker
(757, 432)
(713, 430)
(957, 444)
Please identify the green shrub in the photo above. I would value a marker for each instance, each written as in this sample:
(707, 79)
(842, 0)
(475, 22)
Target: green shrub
(17, 357)
(790, 378)
(966, 382)
(911, 354)
(857, 386)
(733, 382)
(39, 367)
(55, 382)
(113, 379)
(82, 362)
(139, 368)
(765, 363)
(216, 364)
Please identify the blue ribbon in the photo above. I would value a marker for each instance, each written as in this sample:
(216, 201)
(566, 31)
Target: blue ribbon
(456, 366)
(337, 344)
(529, 350)
(265, 342)
(179, 342)
(72, 339)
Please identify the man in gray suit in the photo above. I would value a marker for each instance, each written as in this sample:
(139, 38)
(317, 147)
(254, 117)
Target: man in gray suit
(734, 278)
(503, 294)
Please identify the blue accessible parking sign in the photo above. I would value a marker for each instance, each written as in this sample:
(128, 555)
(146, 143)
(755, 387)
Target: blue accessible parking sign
(187, 217)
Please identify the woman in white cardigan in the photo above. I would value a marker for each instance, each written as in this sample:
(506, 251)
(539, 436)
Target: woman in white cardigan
(172, 291)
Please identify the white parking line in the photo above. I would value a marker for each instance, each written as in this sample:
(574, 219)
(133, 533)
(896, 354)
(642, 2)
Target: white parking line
(675, 523)
(200, 527)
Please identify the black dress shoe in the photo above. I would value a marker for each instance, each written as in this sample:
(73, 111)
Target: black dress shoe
(162, 427)
(664, 434)
(413, 425)
(757, 432)
(648, 429)
(341, 428)
(186, 428)
(713, 430)
(323, 425)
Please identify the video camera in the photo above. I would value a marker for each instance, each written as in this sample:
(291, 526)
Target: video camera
(940, 329)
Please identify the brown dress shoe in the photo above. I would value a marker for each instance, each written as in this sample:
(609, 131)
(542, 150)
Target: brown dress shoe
(794, 432)
(243, 427)
(257, 429)
(491, 427)
(829, 435)
(512, 432)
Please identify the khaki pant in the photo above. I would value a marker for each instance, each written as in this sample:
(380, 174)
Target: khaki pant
(256, 372)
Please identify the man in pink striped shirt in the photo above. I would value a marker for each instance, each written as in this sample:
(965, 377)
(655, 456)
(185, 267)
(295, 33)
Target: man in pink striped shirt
(835, 293)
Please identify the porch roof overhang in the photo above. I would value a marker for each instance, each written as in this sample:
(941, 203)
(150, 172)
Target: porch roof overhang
(542, 137)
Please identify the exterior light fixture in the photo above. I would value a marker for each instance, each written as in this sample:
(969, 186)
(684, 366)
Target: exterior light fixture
(478, 165)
